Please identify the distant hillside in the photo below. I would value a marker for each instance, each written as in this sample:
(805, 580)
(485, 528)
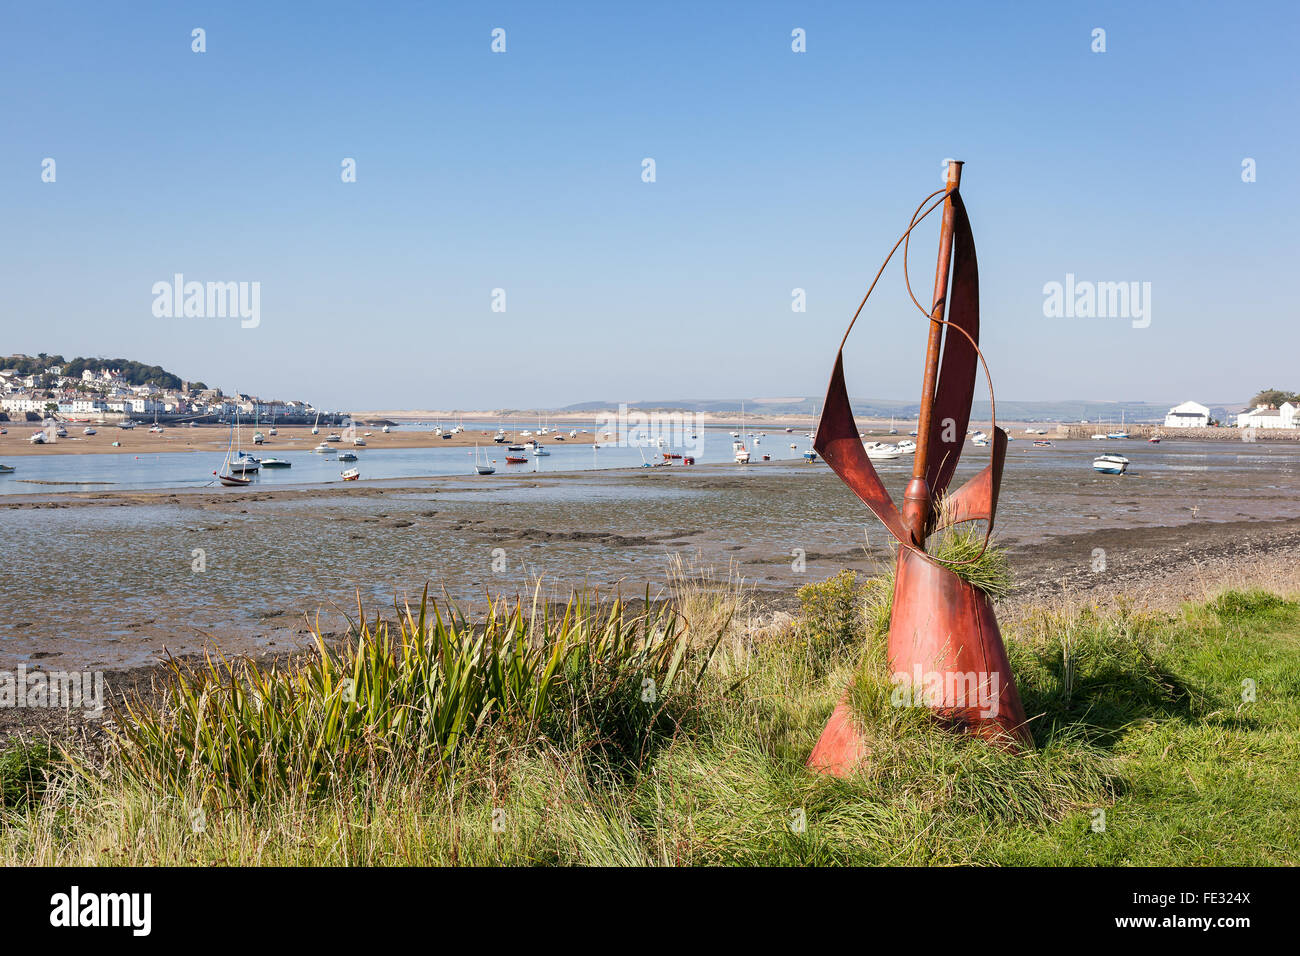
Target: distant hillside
(133, 373)
(1061, 411)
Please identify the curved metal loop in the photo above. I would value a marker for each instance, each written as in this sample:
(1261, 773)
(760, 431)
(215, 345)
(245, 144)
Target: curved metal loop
(905, 241)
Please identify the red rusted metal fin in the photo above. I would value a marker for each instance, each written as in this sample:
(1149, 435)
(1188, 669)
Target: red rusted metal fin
(838, 443)
(977, 500)
(955, 387)
(840, 749)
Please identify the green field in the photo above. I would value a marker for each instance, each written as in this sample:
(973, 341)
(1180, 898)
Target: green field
(602, 736)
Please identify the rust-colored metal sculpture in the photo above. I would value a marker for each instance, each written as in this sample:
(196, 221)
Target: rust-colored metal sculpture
(944, 643)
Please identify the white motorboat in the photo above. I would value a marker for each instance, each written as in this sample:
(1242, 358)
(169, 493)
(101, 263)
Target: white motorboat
(880, 451)
(323, 449)
(1110, 464)
(352, 474)
(88, 430)
(907, 446)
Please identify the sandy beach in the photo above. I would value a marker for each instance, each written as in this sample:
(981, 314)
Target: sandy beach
(139, 440)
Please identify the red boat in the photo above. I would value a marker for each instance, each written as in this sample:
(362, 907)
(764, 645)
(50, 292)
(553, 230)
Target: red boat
(688, 460)
(670, 455)
(1154, 439)
(515, 460)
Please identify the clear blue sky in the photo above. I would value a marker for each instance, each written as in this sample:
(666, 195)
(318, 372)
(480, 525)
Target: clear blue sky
(522, 171)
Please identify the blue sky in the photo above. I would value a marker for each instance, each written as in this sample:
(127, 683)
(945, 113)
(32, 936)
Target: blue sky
(522, 171)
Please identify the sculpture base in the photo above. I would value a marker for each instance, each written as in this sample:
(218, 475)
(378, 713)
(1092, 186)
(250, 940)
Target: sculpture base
(946, 654)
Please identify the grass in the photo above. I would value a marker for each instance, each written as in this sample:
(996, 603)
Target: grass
(469, 746)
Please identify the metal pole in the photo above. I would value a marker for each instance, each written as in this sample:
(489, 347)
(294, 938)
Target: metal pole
(916, 498)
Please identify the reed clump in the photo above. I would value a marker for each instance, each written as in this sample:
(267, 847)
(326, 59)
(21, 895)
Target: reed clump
(417, 693)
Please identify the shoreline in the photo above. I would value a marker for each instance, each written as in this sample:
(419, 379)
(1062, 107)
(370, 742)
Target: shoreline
(1155, 568)
(216, 439)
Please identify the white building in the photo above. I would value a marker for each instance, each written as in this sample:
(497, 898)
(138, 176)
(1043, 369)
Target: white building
(21, 404)
(1188, 415)
(1262, 416)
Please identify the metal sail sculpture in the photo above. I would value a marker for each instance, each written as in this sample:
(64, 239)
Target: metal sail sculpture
(940, 624)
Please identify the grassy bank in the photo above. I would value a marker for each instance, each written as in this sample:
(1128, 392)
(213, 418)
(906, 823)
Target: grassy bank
(679, 737)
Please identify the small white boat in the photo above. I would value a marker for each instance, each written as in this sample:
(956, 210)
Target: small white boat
(352, 474)
(539, 451)
(333, 436)
(880, 451)
(276, 463)
(88, 430)
(385, 429)
(485, 468)
(359, 442)
(323, 449)
(907, 446)
(740, 452)
(1110, 464)
(1099, 437)
(1043, 443)
(126, 424)
(37, 438)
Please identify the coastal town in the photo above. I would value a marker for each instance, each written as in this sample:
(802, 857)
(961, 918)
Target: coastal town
(107, 395)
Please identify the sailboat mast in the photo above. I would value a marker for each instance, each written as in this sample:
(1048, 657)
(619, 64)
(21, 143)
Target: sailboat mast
(916, 499)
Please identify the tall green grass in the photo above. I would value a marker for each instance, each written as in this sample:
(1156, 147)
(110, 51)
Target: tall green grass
(410, 694)
(1135, 714)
